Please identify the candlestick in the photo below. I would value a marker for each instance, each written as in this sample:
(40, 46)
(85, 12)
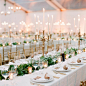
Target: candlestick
(43, 46)
(43, 17)
(79, 21)
(84, 26)
(38, 24)
(48, 24)
(35, 22)
(74, 22)
(52, 25)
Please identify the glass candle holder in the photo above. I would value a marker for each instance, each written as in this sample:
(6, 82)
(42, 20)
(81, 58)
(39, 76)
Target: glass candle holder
(45, 64)
(66, 56)
(59, 59)
(79, 51)
(29, 70)
(85, 49)
(11, 76)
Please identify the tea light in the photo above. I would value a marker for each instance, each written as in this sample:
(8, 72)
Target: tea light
(11, 76)
(27, 42)
(66, 56)
(3, 45)
(9, 43)
(85, 49)
(79, 51)
(45, 64)
(29, 70)
(59, 59)
(19, 43)
(35, 42)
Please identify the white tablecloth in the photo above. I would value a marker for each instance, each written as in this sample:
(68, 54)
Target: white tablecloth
(71, 78)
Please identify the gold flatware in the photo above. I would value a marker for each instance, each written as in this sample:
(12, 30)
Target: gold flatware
(57, 67)
(55, 72)
(84, 62)
(56, 77)
(73, 68)
(36, 84)
(61, 73)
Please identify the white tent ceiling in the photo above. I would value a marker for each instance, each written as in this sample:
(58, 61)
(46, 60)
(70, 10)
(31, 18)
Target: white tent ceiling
(37, 5)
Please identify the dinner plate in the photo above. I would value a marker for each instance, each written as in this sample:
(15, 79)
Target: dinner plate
(62, 70)
(42, 79)
(76, 63)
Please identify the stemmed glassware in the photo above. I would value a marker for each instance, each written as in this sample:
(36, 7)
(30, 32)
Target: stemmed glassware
(5, 74)
(35, 65)
(54, 59)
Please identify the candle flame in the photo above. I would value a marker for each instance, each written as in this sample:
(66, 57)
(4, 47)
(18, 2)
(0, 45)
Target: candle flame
(84, 18)
(52, 16)
(78, 15)
(78, 19)
(60, 20)
(48, 15)
(74, 18)
(34, 15)
(43, 9)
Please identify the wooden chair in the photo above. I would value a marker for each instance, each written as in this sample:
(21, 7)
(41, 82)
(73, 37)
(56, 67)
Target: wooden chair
(13, 55)
(28, 52)
(58, 46)
(49, 48)
(6, 49)
(20, 48)
(0, 60)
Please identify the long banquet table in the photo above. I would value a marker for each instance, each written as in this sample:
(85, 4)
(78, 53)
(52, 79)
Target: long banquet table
(71, 78)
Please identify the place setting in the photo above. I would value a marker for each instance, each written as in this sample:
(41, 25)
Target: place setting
(42, 43)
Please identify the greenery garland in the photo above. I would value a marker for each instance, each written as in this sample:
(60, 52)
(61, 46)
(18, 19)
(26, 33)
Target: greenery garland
(23, 68)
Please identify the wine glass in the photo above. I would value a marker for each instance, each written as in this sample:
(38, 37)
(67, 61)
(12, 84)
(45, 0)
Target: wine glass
(5, 73)
(35, 65)
(54, 59)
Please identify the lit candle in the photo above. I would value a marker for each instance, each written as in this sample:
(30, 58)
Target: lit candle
(84, 25)
(29, 70)
(48, 24)
(59, 59)
(45, 64)
(35, 22)
(38, 25)
(67, 56)
(85, 49)
(79, 51)
(11, 76)
(74, 22)
(43, 17)
(79, 21)
(34, 42)
(52, 25)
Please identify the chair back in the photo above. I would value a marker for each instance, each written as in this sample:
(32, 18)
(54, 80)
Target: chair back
(0, 60)
(13, 55)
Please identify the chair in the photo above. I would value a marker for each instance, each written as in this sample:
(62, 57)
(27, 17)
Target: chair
(6, 49)
(58, 46)
(0, 60)
(49, 48)
(28, 52)
(13, 55)
(20, 48)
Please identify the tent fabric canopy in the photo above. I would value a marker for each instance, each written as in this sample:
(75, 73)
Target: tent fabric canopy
(37, 5)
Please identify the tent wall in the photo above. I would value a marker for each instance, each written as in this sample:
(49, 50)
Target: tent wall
(13, 17)
(56, 14)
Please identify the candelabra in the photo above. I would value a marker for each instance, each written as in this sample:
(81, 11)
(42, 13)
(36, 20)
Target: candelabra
(50, 36)
(43, 46)
(79, 39)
